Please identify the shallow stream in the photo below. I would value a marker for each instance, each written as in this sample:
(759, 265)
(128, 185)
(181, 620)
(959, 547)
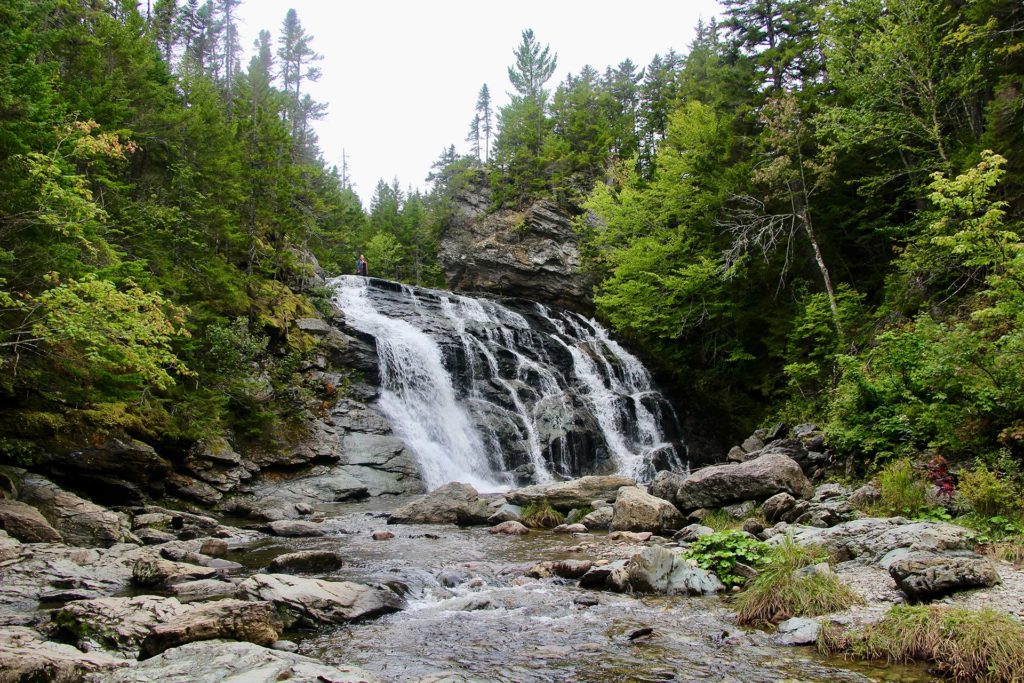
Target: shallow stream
(472, 616)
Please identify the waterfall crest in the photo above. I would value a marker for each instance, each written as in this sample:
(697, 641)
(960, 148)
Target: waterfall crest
(498, 394)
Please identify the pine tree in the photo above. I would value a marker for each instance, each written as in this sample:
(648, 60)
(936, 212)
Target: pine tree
(473, 138)
(297, 59)
(486, 118)
(533, 68)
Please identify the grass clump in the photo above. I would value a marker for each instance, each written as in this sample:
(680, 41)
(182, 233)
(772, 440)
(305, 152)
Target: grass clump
(720, 552)
(779, 592)
(964, 645)
(988, 494)
(903, 491)
(541, 515)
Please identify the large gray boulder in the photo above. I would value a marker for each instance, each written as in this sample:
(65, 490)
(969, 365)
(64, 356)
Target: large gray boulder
(312, 602)
(25, 656)
(658, 570)
(253, 622)
(755, 479)
(453, 503)
(666, 483)
(25, 523)
(79, 521)
(213, 661)
(531, 253)
(635, 510)
(117, 624)
(576, 493)
(924, 576)
(872, 538)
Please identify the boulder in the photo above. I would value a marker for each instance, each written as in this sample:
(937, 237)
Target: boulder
(253, 622)
(78, 521)
(25, 523)
(692, 532)
(382, 535)
(506, 513)
(571, 569)
(570, 529)
(755, 479)
(797, 631)
(599, 520)
(295, 528)
(215, 660)
(778, 505)
(566, 495)
(598, 576)
(924, 576)
(865, 496)
(635, 510)
(665, 484)
(311, 602)
(307, 561)
(509, 529)
(25, 656)
(658, 570)
(453, 503)
(872, 538)
(118, 624)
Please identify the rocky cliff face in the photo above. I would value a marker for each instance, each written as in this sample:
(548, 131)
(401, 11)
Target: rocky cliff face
(530, 253)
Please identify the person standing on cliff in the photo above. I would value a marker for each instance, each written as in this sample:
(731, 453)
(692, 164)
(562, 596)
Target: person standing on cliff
(361, 266)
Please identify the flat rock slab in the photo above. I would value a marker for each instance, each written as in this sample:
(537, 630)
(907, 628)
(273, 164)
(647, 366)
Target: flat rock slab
(872, 538)
(313, 601)
(213, 661)
(566, 495)
(25, 656)
(79, 521)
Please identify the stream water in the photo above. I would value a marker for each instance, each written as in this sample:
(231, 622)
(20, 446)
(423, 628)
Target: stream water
(472, 616)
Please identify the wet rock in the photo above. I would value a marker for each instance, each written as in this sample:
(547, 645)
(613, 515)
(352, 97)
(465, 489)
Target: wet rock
(25, 523)
(307, 561)
(658, 570)
(599, 520)
(253, 622)
(925, 576)
(571, 569)
(310, 602)
(450, 578)
(870, 539)
(295, 528)
(586, 601)
(214, 547)
(570, 529)
(630, 536)
(797, 631)
(119, 624)
(566, 495)
(79, 521)
(506, 513)
(598, 576)
(757, 479)
(635, 510)
(778, 505)
(26, 656)
(509, 529)
(203, 589)
(382, 535)
(277, 499)
(156, 571)
(453, 503)
(692, 532)
(216, 660)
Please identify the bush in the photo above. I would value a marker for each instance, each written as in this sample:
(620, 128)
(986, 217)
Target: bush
(988, 494)
(903, 490)
(721, 551)
(965, 645)
(542, 516)
(778, 592)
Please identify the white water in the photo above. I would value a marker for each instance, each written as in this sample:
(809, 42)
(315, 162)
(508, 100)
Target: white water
(504, 354)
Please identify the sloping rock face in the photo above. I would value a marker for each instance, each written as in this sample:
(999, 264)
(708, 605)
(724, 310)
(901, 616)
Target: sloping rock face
(531, 253)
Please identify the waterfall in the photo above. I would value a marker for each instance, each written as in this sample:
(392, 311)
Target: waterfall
(499, 393)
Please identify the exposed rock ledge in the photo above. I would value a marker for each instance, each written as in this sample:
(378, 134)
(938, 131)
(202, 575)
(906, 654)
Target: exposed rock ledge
(531, 253)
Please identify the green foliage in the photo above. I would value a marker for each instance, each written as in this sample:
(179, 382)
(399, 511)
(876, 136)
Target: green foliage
(780, 592)
(541, 515)
(989, 494)
(904, 491)
(964, 645)
(719, 553)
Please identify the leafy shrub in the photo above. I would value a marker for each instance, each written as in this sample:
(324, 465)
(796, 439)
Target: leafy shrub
(903, 491)
(965, 645)
(720, 552)
(542, 516)
(988, 494)
(779, 592)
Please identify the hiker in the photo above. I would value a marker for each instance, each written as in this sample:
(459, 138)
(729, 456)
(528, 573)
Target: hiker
(361, 266)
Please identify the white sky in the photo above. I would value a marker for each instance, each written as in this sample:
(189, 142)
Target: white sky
(401, 77)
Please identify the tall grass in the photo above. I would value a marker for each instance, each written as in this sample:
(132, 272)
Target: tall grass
(541, 516)
(903, 491)
(778, 593)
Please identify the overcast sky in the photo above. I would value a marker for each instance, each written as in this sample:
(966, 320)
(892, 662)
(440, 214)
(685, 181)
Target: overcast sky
(401, 77)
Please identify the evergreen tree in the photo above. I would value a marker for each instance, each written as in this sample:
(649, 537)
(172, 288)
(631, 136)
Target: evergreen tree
(485, 116)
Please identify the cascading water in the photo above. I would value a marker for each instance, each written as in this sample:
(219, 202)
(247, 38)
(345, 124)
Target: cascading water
(495, 394)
